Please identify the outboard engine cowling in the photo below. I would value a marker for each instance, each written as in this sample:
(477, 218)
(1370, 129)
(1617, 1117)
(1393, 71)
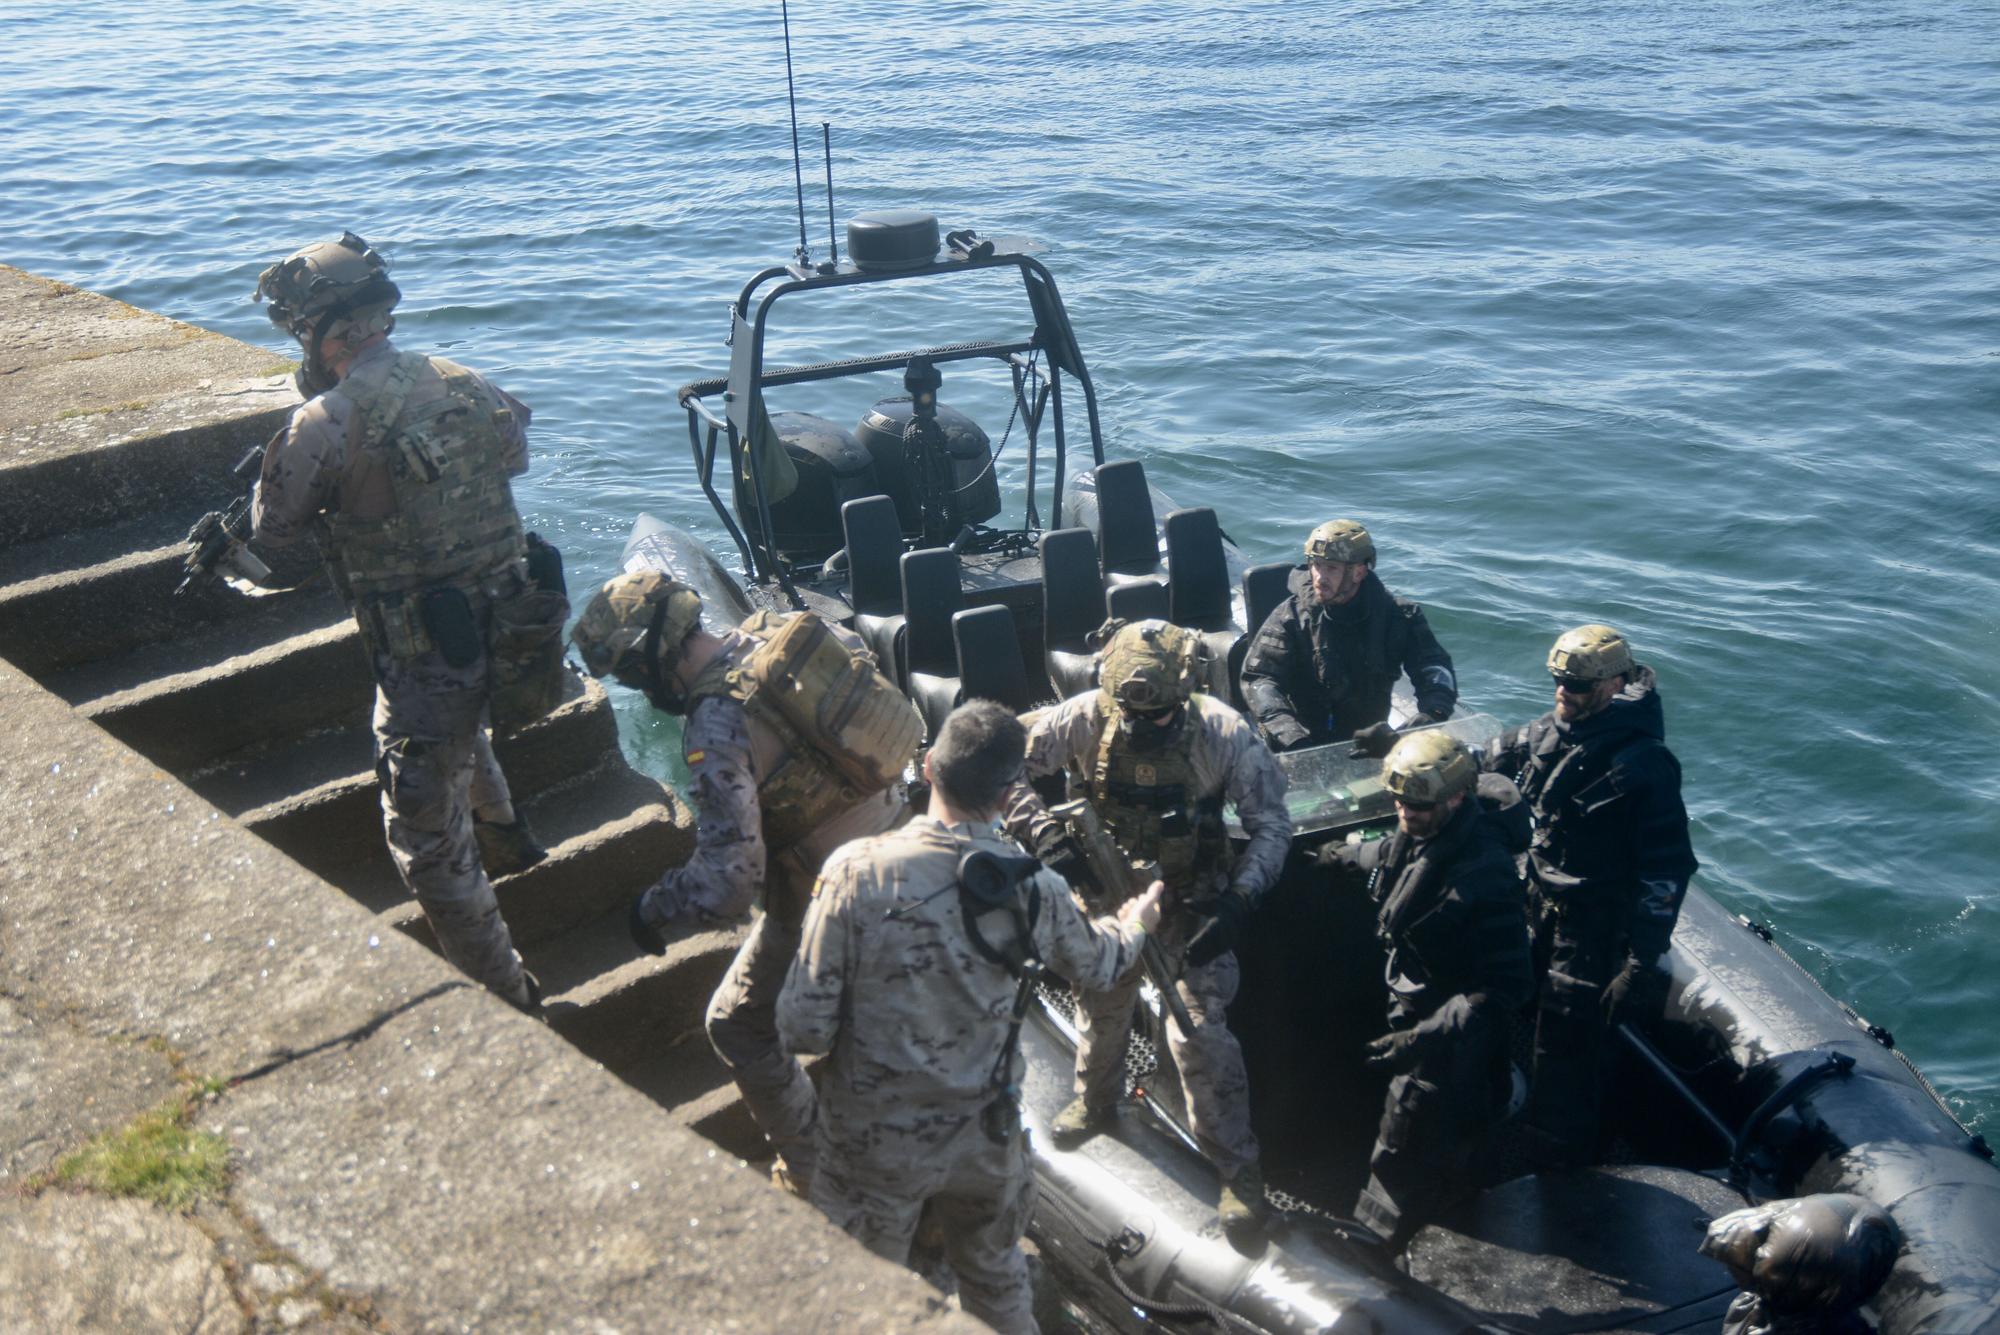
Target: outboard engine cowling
(881, 434)
(833, 468)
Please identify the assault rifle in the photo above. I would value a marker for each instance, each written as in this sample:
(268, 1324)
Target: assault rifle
(1112, 876)
(215, 545)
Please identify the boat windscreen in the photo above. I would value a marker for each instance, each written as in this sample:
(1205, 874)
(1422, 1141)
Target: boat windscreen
(1330, 788)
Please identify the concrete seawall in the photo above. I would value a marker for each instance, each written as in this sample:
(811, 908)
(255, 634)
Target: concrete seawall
(212, 921)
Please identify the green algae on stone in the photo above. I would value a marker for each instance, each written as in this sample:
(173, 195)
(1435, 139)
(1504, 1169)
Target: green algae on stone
(157, 1157)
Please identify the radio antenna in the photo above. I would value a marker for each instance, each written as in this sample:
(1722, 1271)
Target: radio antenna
(826, 142)
(798, 173)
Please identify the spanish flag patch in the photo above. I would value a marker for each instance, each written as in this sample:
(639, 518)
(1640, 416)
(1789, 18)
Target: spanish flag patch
(696, 757)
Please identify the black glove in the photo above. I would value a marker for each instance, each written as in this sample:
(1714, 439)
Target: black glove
(1224, 914)
(1374, 740)
(1286, 735)
(1395, 1052)
(1639, 990)
(1337, 854)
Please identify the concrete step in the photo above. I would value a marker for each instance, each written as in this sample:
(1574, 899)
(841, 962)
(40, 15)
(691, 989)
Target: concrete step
(174, 456)
(94, 595)
(608, 835)
(278, 792)
(716, 1111)
(75, 550)
(594, 813)
(265, 623)
(299, 684)
(621, 1006)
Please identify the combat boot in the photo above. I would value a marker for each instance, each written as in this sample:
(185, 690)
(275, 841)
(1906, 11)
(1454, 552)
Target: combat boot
(1241, 1206)
(528, 1000)
(644, 935)
(793, 1183)
(1079, 1121)
(506, 849)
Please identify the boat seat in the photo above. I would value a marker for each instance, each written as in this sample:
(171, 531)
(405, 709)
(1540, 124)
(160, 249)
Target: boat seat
(1198, 591)
(931, 594)
(1128, 544)
(1140, 600)
(1264, 587)
(990, 666)
(874, 579)
(1583, 1250)
(1197, 573)
(1072, 607)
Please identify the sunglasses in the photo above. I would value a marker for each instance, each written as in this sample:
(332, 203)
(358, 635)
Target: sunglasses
(1575, 685)
(1418, 807)
(1148, 715)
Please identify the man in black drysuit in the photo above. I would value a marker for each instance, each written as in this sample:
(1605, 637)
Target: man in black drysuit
(1609, 866)
(1323, 664)
(1450, 912)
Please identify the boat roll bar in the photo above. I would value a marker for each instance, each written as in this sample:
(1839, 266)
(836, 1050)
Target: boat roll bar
(1053, 339)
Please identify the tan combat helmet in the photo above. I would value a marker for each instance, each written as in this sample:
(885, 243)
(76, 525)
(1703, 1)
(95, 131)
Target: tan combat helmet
(1590, 653)
(328, 285)
(634, 627)
(1149, 666)
(1340, 540)
(1428, 767)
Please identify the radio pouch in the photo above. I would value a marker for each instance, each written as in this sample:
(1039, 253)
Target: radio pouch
(453, 627)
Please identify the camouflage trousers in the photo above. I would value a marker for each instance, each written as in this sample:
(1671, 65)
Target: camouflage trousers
(875, 1183)
(1213, 1081)
(743, 1025)
(431, 755)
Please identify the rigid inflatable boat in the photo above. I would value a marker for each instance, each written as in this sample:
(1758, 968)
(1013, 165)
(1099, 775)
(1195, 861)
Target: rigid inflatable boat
(1750, 1084)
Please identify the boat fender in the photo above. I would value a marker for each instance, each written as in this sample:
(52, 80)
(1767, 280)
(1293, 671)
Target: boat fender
(1805, 1261)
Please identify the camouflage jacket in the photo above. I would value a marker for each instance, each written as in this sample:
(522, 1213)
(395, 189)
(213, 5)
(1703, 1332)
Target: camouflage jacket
(309, 469)
(888, 982)
(727, 756)
(1228, 759)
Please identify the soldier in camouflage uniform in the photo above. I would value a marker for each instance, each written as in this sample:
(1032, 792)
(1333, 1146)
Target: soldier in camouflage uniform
(920, 1102)
(399, 464)
(754, 845)
(1157, 762)
(1324, 663)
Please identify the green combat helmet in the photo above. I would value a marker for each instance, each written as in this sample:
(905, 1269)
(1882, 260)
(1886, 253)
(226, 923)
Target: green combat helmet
(1590, 653)
(1149, 667)
(1340, 540)
(634, 627)
(1428, 767)
(346, 280)
(330, 287)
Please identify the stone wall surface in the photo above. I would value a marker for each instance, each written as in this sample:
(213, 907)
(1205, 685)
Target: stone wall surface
(104, 406)
(433, 1159)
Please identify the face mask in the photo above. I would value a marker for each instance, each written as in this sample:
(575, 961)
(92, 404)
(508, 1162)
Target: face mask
(1144, 735)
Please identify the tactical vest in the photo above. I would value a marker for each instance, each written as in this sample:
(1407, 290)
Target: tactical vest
(454, 522)
(1149, 803)
(846, 731)
(1579, 838)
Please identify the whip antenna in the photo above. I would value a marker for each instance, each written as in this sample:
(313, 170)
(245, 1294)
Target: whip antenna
(798, 173)
(826, 141)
